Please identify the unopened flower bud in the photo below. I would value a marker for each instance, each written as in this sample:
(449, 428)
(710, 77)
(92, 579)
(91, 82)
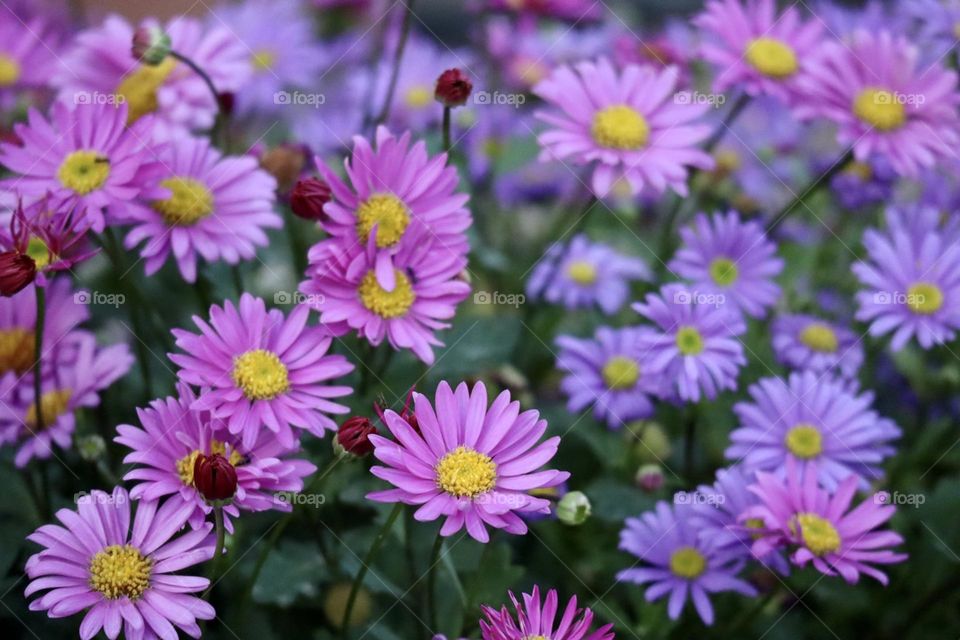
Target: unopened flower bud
(453, 88)
(17, 270)
(308, 197)
(353, 437)
(284, 162)
(649, 478)
(91, 447)
(151, 45)
(214, 477)
(573, 508)
(335, 605)
(654, 445)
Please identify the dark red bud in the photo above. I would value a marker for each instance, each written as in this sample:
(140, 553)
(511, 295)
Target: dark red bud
(354, 434)
(453, 88)
(308, 197)
(17, 270)
(214, 477)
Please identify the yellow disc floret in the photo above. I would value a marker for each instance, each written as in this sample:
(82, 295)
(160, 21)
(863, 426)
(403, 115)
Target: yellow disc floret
(190, 202)
(724, 272)
(9, 70)
(260, 374)
(819, 535)
(84, 171)
(687, 562)
(924, 298)
(52, 405)
(387, 304)
(120, 571)
(819, 336)
(620, 372)
(804, 441)
(138, 89)
(16, 350)
(388, 213)
(419, 97)
(466, 473)
(689, 341)
(880, 109)
(582, 272)
(620, 127)
(772, 57)
(263, 59)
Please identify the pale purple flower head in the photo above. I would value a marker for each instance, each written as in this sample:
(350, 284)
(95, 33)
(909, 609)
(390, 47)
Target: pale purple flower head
(732, 259)
(584, 274)
(815, 421)
(694, 342)
(123, 575)
(211, 206)
(536, 618)
(805, 342)
(627, 125)
(258, 369)
(472, 464)
(28, 54)
(679, 561)
(610, 373)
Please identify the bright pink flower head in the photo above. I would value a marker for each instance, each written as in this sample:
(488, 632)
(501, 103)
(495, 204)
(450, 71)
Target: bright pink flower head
(537, 618)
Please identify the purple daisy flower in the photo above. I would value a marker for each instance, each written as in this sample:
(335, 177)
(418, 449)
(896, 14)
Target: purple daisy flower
(802, 515)
(864, 184)
(609, 372)
(806, 342)
(627, 125)
(912, 280)
(585, 273)
(123, 575)
(756, 49)
(472, 464)
(536, 618)
(939, 25)
(681, 561)
(259, 369)
(86, 155)
(724, 256)
(214, 206)
(172, 437)
(815, 421)
(882, 102)
(694, 344)
(28, 54)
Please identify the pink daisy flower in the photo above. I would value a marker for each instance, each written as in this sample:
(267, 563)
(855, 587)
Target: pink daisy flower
(757, 50)
(883, 102)
(472, 464)
(395, 190)
(124, 576)
(172, 437)
(258, 369)
(214, 206)
(628, 126)
(537, 618)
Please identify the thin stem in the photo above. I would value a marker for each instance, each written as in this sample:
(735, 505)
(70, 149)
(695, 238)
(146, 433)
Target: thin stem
(814, 186)
(689, 440)
(432, 580)
(365, 566)
(395, 71)
(446, 130)
(221, 119)
(297, 247)
(471, 596)
(38, 357)
(732, 114)
(237, 278)
(218, 549)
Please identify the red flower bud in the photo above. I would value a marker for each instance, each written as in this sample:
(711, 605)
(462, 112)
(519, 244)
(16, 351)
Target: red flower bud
(308, 198)
(353, 436)
(17, 270)
(453, 88)
(214, 477)
(150, 45)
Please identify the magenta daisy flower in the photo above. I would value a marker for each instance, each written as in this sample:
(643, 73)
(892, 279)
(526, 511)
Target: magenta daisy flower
(258, 369)
(805, 342)
(819, 527)
(755, 49)
(732, 259)
(627, 125)
(695, 342)
(883, 101)
(395, 190)
(537, 618)
(213, 206)
(124, 576)
(172, 437)
(472, 464)
(84, 155)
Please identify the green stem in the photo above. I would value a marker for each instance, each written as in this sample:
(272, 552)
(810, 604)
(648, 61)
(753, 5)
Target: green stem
(219, 125)
(732, 114)
(814, 186)
(432, 580)
(237, 279)
(688, 443)
(365, 566)
(38, 357)
(397, 58)
(218, 549)
(298, 250)
(446, 130)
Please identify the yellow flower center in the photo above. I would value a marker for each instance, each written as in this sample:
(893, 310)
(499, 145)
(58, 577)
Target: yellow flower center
(880, 109)
(84, 171)
(582, 272)
(120, 571)
(419, 97)
(190, 202)
(804, 441)
(924, 298)
(39, 252)
(689, 341)
(861, 170)
(387, 304)
(52, 405)
(819, 336)
(260, 374)
(620, 127)
(466, 473)
(186, 463)
(772, 57)
(9, 70)
(724, 272)
(620, 372)
(263, 59)
(16, 350)
(687, 562)
(388, 213)
(819, 536)
(535, 638)
(139, 88)
(754, 524)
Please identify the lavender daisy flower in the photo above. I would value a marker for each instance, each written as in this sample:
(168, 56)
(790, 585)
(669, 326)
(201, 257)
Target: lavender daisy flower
(806, 342)
(536, 618)
(472, 464)
(213, 206)
(815, 421)
(912, 281)
(626, 125)
(172, 437)
(680, 561)
(817, 524)
(939, 25)
(883, 102)
(609, 372)
(259, 369)
(756, 49)
(694, 344)
(84, 155)
(28, 54)
(732, 259)
(585, 273)
(123, 575)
